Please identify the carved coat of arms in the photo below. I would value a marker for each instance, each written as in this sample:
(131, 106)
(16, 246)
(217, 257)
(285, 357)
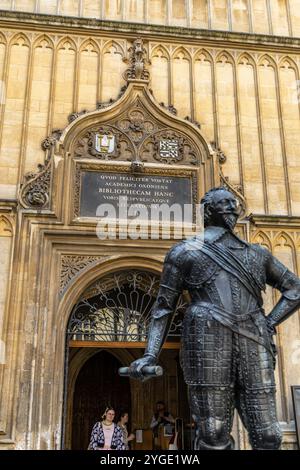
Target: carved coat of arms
(168, 148)
(105, 143)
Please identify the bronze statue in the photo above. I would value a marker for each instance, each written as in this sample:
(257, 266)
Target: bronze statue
(228, 353)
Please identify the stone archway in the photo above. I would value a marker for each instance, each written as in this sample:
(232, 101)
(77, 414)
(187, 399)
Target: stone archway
(92, 392)
(113, 315)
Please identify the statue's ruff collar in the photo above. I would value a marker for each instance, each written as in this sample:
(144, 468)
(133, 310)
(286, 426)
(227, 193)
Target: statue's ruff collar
(214, 233)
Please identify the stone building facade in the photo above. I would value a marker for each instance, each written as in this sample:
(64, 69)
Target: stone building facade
(224, 73)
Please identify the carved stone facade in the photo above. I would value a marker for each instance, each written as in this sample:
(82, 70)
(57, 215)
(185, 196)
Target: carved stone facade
(211, 107)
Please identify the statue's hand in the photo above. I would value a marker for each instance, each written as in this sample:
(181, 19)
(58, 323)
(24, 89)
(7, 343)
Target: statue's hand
(135, 368)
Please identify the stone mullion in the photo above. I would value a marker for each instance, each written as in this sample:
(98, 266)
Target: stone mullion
(289, 17)
(76, 79)
(261, 138)
(52, 91)
(270, 19)
(24, 133)
(283, 144)
(238, 124)
(215, 104)
(229, 15)
(192, 87)
(6, 62)
(250, 15)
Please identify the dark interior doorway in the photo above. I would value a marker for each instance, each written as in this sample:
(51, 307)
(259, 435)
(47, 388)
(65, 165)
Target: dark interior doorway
(93, 392)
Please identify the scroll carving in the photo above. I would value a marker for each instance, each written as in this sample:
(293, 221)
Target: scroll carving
(35, 191)
(72, 265)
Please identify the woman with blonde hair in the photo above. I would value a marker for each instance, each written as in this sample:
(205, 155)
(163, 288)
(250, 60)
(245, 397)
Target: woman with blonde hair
(106, 435)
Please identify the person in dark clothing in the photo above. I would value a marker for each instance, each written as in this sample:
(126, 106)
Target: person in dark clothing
(160, 417)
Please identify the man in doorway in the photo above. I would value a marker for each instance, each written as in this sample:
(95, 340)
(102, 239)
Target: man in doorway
(228, 353)
(161, 419)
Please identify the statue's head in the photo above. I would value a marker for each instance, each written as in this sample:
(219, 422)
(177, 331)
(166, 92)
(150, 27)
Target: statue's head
(220, 208)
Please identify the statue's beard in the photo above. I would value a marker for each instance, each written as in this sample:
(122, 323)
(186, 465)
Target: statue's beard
(229, 220)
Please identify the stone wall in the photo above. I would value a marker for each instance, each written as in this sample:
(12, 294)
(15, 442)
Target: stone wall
(246, 100)
(278, 17)
(242, 89)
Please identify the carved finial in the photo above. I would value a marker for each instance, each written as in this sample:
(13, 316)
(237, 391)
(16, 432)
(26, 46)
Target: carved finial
(73, 116)
(220, 154)
(50, 141)
(137, 70)
(170, 108)
(35, 190)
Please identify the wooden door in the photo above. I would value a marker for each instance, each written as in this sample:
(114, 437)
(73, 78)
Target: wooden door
(98, 384)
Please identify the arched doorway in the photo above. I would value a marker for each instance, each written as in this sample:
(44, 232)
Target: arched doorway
(93, 392)
(113, 316)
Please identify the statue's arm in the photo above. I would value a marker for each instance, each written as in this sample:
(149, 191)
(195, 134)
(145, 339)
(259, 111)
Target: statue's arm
(163, 310)
(281, 278)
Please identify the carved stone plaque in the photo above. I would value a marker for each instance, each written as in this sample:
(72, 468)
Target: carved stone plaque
(145, 191)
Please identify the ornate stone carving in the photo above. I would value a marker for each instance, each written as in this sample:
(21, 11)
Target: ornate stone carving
(169, 147)
(137, 70)
(6, 229)
(105, 104)
(111, 100)
(73, 116)
(137, 167)
(137, 124)
(72, 265)
(193, 121)
(220, 154)
(50, 141)
(35, 191)
(169, 107)
(90, 144)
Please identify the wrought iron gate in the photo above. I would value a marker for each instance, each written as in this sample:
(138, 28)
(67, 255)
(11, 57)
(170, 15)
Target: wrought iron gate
(118, 308)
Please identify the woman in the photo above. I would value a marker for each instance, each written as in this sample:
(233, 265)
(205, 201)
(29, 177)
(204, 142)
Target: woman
(123, 420)
(106, 435)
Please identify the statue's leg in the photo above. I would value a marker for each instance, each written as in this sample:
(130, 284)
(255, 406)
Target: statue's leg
(212, 410)
(262, 425)
(209, 371)
(256, 393)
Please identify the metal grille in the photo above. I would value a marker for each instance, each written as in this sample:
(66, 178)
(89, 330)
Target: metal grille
(118, 308)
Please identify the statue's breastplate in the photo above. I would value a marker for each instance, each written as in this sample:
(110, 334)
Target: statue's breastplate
(199, 269)
(201, 272)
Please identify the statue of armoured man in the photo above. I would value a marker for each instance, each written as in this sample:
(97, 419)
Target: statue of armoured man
(228, 354)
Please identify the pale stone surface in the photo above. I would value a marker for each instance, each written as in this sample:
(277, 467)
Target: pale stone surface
(282, 18)
(14, 110)
(88, 77)
(5, 250)
(204, 111)
(181, 83)
(64, 84)
(160, 75)
(246, 101)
